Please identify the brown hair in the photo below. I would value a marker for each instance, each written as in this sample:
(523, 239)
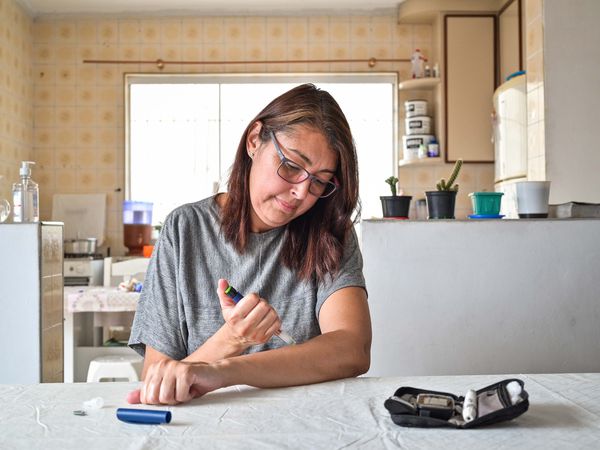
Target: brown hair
(315, 240)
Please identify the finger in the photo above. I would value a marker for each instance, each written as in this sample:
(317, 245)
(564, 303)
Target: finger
(269, 318)
(224, 299)
(152, 386)
(166, 395)
(133, 398)
(183, 391)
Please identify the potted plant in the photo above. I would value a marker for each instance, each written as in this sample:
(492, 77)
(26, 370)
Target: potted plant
(395, 206)
(440, 203)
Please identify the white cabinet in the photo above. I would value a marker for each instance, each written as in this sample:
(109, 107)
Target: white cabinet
(31, 301)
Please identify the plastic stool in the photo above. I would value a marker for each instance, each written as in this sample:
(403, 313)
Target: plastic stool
(117, 366)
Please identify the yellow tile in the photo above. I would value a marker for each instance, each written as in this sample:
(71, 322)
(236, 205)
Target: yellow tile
(108, 137)
(43, 137)
(150, 31)
(87, 32)
(108, 31)
(43, 117)
(340, 51)
(234, 29)
(192, 52)
(44, 32)
(66, 32)
(129, 52)
(339, 30)
(65, 95)
(170, 31)
(108, 74)
(44, 157)
(318, 30)
(192, 31)
(65, 180)
(360, 51)
(255, 29)
(255, 53)
(171, 53)
(86, 179)
(318, 51)
(85, 158)
(65, 137)
(297, 31)
(129, 31)
(81, 75)
(402, 33)
(213, 30)
(86, 117)
(86, 138)
(108, 52)
(381, 29)
(65, 54)
(360, 31)
(276, 29)
(43, 54)
(66, 158)
(65, 117)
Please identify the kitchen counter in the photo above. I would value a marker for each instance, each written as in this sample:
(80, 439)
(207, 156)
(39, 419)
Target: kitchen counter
(483, 296)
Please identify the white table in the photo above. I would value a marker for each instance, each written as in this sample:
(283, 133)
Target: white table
(92, 299)
(564, 413)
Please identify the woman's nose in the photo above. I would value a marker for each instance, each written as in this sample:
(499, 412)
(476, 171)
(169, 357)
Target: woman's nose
(300, 190)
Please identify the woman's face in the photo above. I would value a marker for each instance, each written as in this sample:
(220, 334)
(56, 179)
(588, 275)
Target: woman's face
(276, 202)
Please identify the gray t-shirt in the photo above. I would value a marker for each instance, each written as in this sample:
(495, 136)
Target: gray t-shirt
(179, 307)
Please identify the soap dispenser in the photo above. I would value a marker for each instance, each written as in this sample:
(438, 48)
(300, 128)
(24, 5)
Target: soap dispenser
(4, 205)
(25, 196)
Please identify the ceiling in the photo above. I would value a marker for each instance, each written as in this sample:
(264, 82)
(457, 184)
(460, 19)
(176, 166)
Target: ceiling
(206, 7)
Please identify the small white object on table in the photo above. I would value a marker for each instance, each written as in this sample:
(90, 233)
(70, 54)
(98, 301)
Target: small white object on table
(564, 412)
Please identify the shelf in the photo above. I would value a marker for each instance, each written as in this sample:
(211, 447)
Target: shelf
(437, 161)
(419, 83)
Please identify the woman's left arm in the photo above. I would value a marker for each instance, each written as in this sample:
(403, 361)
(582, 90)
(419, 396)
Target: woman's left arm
(341, 351)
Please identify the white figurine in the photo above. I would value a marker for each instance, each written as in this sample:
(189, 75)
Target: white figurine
(417, 61)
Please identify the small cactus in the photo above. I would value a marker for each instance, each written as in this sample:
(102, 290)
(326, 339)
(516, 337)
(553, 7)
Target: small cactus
(392, 181)
(444, 185)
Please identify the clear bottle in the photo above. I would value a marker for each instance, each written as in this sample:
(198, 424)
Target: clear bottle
(25, 196)
(4, 205)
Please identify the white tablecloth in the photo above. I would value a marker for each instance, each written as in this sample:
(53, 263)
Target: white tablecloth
(99, 299)
(564, 413)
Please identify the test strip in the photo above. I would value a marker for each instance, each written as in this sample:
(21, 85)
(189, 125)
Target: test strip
(144, 416)
(236, 297)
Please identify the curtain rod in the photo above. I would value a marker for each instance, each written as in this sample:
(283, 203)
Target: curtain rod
(160, 64)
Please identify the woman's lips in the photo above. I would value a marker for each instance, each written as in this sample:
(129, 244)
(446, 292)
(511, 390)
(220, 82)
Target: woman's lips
(287, 207)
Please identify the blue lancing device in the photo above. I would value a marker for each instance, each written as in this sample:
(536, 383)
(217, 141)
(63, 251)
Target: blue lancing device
(236, 297)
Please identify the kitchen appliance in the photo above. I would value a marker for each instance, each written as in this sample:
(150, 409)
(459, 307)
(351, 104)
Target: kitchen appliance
(31, 301)
(80, 246)
(137, 226)
(510, 141)
(83, 270)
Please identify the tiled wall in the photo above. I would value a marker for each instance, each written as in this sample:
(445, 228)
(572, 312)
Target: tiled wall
(16, 91)
(534, 51)
(78, 130)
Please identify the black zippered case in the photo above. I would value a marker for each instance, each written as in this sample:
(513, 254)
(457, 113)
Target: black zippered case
(494, 401)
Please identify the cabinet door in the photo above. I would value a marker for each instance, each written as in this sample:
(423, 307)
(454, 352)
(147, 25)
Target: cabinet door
(469, 86)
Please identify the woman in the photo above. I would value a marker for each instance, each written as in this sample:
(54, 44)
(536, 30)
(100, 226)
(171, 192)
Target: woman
(283, 235)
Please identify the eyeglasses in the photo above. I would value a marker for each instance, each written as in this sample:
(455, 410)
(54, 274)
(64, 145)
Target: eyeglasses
(295, 174)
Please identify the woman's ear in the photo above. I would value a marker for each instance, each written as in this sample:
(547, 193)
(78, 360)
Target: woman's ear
(253, 141)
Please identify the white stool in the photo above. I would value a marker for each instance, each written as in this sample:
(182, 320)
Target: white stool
(120, 367)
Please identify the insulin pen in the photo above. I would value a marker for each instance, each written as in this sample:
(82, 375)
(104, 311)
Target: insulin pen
(236, 297)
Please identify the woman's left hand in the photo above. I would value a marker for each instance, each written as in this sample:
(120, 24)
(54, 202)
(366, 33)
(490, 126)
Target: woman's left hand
(169, 382)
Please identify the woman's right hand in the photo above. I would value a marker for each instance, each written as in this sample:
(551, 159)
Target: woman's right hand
(251, 321)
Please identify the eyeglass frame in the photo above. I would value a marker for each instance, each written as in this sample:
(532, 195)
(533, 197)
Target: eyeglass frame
(309, 176)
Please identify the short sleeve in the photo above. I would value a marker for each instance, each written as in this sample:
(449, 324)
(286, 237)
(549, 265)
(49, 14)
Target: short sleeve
(159, 319)
(350, 273)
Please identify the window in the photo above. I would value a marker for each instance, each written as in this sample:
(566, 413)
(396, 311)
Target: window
(183, 131)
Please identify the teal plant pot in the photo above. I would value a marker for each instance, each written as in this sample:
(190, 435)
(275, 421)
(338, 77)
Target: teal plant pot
(486, 203)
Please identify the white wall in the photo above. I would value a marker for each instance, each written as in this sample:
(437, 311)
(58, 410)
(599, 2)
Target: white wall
(483, 297)
(572, 98)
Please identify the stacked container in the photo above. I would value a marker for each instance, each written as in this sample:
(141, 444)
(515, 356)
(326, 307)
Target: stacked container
(418, 142)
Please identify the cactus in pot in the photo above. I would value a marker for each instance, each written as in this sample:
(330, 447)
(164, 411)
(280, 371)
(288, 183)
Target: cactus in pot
(444, 185)
(392, 181)
(440, 203)
(396, 206)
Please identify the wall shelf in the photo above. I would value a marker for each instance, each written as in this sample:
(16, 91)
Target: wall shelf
(435, 161)
(419, 83)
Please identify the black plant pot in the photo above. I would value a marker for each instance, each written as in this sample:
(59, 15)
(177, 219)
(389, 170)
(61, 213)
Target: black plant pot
(440, 204)
(396, 205)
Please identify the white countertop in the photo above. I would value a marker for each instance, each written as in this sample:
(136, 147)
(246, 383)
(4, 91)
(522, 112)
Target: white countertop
(564, 412)
(99, 299)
